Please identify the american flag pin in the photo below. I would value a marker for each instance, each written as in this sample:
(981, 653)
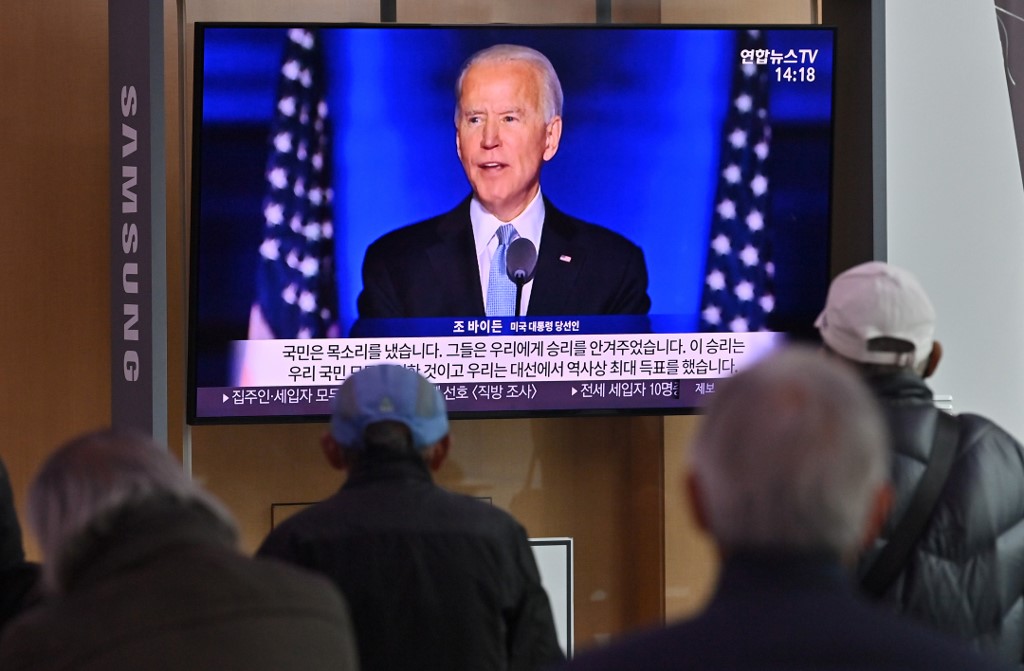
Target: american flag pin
(565, 258)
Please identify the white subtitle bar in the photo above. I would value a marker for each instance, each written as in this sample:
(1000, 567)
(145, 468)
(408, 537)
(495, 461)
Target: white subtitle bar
(452, 360)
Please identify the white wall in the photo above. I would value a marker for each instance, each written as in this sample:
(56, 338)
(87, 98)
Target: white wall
(955, 201)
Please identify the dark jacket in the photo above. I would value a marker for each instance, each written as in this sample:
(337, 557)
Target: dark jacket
(163, 589)
(966, 575)
(430, 269)
(434, 579)
(786, 613)
(19, 579)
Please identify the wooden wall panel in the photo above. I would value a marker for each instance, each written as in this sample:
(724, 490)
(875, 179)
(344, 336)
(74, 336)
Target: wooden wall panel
(252, 467)
(275, 10)
(636, 11)
(691, 561)
(495, 11)
(54, 306)
(502, 11)
(739, 11)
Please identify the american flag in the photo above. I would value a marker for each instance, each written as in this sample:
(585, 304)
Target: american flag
(296, 292)
(738, 293)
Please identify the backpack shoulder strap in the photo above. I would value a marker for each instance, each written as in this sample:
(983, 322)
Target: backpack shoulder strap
(891, 560)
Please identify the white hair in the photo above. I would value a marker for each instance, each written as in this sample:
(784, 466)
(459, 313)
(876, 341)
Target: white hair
(790, 455)
(91, 479)
(551, 97)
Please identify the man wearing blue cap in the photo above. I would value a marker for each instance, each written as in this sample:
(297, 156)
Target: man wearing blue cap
(434, 580)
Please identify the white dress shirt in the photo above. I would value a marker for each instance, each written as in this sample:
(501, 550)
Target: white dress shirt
(485, 236)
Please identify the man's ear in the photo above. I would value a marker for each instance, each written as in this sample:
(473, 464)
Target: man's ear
(933, 359)
(437, 453)
(333, 453)
(553, 136)
(881, 504)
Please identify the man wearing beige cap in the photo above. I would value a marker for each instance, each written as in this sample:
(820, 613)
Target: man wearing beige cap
(952, 550)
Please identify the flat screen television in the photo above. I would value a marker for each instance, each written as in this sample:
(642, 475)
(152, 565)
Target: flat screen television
(705, 150)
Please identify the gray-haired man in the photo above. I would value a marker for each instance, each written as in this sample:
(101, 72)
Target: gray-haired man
(789, 477)
(142, 572)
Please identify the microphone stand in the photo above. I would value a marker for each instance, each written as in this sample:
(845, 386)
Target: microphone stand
(519, 291)
(520, 262)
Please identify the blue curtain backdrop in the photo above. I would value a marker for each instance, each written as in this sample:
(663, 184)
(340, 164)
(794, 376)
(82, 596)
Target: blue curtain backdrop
(640, 149)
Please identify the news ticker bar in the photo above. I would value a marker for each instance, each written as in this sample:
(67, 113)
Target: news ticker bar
(478, 397)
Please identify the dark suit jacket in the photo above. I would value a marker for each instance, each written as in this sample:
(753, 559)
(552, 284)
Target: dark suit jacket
(787, 613)
(430, 269)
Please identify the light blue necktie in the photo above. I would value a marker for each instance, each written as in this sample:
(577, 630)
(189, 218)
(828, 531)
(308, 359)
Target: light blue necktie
(501, 291)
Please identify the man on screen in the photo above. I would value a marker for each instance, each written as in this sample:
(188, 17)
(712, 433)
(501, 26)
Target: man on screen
(508, 124)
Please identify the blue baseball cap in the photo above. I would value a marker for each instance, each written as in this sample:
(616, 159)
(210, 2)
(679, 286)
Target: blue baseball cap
(388, 393)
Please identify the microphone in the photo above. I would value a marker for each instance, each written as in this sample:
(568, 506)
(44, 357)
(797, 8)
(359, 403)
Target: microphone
(520, 260)
(520, 264)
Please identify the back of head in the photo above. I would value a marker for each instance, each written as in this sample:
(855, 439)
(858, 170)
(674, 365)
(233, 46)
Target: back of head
(550, 87)
(790, 456)
(878, 314)
(388, 408)
(94, 477)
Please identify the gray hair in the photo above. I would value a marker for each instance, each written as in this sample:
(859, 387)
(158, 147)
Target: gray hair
(94, 477)
(551, 97)
(790, 455)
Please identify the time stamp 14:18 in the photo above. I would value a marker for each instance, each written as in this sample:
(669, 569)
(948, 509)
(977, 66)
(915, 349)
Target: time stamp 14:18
(791, 74)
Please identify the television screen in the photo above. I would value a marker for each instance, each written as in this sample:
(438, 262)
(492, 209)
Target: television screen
(670, 212)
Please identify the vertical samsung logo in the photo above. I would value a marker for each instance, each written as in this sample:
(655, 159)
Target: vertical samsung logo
(129, 235)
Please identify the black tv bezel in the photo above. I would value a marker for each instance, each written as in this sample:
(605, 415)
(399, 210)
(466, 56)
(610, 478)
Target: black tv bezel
(799, 333)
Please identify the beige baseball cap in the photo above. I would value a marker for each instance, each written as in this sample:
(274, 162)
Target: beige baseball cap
(878, 313)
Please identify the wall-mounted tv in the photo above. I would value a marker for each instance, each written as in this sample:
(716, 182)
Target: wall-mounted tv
(681, 230)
